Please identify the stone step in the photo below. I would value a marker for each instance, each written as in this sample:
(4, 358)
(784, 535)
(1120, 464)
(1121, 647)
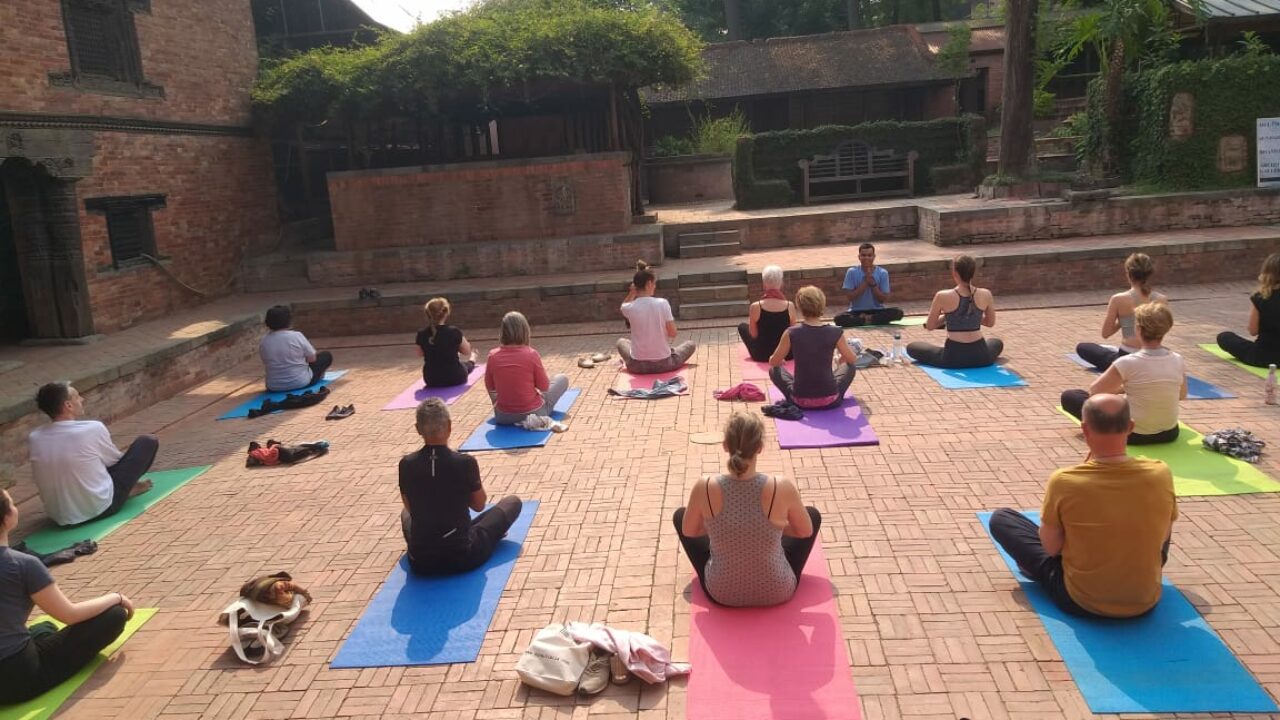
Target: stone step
(720, 277)
(712, 293)
(710, 250)
(705, 310)
(709, 237)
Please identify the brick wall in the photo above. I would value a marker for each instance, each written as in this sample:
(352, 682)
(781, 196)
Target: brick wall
(481, 202)
(202, 52)
(689, 179)
(219, 204)
(817, 228)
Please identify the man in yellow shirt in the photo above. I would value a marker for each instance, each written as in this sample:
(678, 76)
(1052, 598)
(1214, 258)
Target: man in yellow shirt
(1104, 526)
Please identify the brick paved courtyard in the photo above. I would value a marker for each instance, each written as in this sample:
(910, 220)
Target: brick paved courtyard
(934, 623)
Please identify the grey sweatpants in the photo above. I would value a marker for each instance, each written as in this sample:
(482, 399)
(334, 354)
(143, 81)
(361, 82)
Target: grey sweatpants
(680, 355)
(550, 396)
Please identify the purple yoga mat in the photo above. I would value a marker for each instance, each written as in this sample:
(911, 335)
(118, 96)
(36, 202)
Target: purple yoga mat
(416, 392)
(845, 425)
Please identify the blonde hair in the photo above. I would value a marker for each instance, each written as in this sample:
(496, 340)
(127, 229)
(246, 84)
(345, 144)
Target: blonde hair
(1153, 320)
(811, 302)
(744, 439)
(515, 329)
(437, 310)
(1269, 278)
(771, 277)
(1139, 267)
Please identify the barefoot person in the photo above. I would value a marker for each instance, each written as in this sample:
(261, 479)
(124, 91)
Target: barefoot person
(31, 664)
(1104, 526)
(768, 317)
(964, 310)
(1264, 321)
(868, 288)
(748, 535)
(515, 378)
(648, 351)
(1139, 268)
(290, 361)
(815, 385)
(437, 487)
(447, 357)
(79, 472)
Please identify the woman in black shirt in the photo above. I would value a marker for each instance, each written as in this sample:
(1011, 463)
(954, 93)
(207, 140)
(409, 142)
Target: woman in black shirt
(442, 348)
(1264, 321)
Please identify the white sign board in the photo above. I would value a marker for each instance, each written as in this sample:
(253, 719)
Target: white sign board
(1268, 152)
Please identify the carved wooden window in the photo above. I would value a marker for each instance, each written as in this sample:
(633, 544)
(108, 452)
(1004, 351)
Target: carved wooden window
(129, 228)
(102, 42)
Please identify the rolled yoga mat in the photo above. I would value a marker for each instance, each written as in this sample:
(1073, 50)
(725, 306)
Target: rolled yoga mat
(1197, 389)
(841, 426)
(991, 376)
(786, 662)
(491, 436)
(414, 620)
(1213, 349)
(1166, 661)
(242, 410)
(418, 391)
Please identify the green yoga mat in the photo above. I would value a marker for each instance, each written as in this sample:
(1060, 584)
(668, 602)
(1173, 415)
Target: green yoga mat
(47, 704)
(1200, 472)
(164, 482)
(1213, 349)
(908, 321)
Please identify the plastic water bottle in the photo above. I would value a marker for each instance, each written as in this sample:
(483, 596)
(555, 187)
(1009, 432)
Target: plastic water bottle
(899, 352)
(1269, 393)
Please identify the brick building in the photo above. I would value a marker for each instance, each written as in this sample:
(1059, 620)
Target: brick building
(133, 183)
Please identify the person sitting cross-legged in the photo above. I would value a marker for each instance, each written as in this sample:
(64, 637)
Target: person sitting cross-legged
(79, 472)
(517, 382)
(1105, 524)
(290, 361)
(1153, 379)
(815, 386)
(1139, 268)
(1264, 321)
(963, 310)
(868, 288)
(438, 486)
(768, 317)
(648, 350)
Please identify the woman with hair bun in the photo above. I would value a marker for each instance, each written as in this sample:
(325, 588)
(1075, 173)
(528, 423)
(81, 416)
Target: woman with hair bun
(648, 351)
(443, 347)
(963, 310)
(1139, 268)
(747, 534)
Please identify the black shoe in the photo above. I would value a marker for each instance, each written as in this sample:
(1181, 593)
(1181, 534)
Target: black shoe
(334, 414)
(373, 294)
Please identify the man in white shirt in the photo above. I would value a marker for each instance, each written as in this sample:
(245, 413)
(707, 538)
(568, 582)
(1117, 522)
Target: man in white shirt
(648, 351)
(290, 361)
(81, 475)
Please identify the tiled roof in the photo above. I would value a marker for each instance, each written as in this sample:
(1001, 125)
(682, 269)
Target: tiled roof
(855, 58)
(1234, 9)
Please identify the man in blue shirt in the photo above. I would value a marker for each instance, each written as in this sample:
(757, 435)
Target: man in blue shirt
(868, 287)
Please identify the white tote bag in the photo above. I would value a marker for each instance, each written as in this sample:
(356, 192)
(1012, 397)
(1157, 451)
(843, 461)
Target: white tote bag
(554, 661)
(259, 625)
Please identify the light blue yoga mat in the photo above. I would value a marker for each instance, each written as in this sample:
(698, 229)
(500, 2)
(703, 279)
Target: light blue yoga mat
(1197, 389)
(1166, 661)
(242, 410)
(983, 377)
(508, 437)
(415, 620)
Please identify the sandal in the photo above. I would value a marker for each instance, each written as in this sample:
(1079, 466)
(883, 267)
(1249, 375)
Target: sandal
(600, 357)
(587, 363)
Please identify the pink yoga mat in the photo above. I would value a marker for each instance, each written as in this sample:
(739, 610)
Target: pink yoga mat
(417, 392)
(752, 370)
(627, 381)
(845, 425)
(779, 663)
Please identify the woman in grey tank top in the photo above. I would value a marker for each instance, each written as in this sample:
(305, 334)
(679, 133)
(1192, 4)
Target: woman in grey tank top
(748, 535)
(1139, 268)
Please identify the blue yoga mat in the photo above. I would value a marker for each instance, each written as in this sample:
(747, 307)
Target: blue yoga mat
(242, 410)
(1166, 661)
(983, 377)
(1197, 389)
(415, 620)
(508, 437)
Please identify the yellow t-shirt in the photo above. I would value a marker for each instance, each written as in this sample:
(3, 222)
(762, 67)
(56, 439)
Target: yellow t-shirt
(1116, 517)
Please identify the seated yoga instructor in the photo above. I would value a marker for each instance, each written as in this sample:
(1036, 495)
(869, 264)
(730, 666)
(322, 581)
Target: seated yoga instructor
(443, 348)
(648, 351)
(963, 310)
(438, 486)
(868, 288)
(1264, 321)
(1153, 379)
(1105, 524)
(816, 385)
(767, 317)
(1139, 268)
(290, 361)
(748, 535)
(515, 378)
(31, 665)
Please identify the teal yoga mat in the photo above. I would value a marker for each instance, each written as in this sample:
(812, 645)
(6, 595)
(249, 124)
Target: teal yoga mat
(242, 410)
(1166, 661)
(164, 482)
(991, 376)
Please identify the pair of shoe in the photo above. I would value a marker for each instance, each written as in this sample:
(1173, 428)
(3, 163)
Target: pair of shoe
(601, 668)
(590, 362)
(338, 412)
(370, 294)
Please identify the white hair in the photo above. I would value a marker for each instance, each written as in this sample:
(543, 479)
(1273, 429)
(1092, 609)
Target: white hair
(771, 277)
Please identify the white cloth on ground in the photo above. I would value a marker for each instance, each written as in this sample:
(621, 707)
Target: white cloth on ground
(645, 657)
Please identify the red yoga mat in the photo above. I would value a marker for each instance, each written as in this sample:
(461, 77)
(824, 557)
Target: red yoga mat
(627, 381)
(786, 662)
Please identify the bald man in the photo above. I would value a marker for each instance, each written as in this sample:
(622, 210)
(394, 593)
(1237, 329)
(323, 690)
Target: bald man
(1105, 524)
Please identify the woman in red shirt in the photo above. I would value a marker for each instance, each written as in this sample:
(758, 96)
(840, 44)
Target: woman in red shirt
(514, 376)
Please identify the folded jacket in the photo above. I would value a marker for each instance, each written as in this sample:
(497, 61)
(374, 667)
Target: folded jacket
(660, 389)
(741, 391)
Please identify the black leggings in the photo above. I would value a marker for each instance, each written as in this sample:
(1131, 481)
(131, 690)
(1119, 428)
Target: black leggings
(49, 660)
(957, 355)
(1099, 356)
(1073, 402)
(1247, 351)
(452, 377)
(699, 548)
(858, 318)
(757, 348)
(324, 359)
(487, 529)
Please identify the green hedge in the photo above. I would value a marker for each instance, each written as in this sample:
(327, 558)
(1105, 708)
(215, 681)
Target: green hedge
(765, 173)
(1230, 94)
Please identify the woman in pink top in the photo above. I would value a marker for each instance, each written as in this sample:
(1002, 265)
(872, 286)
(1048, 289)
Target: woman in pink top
(514, 376)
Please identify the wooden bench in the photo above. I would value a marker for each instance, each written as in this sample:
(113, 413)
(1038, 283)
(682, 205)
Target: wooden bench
(855, 165)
